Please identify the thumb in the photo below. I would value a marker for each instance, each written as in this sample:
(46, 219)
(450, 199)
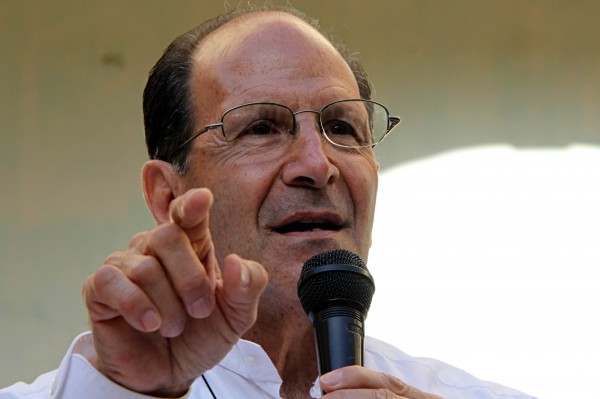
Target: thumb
(243, 283)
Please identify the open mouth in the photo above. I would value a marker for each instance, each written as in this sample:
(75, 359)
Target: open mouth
(301, 226)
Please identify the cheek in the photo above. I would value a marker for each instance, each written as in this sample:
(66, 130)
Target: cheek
(231, 219)
(362, 180)
(368, 197)
(239, 190)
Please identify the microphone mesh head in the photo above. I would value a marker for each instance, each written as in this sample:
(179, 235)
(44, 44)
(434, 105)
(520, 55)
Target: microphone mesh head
(326, 278)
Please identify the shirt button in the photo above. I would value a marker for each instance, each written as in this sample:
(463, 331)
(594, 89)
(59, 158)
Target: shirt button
(251, 361)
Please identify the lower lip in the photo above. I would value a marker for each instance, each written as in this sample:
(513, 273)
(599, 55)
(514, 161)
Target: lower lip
(310, 233)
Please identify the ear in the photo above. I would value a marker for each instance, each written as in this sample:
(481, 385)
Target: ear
(161, 185)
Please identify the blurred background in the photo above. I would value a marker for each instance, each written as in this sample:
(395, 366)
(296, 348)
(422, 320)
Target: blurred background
(487, 240)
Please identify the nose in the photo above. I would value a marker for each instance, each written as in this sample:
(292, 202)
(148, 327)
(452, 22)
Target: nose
(309, 159)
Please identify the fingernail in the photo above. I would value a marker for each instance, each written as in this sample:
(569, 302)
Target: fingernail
(181, 211)
(202, 307)
(331, 379)
(150, 320)
(244, 276)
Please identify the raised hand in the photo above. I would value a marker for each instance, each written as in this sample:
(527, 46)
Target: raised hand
(162, 311)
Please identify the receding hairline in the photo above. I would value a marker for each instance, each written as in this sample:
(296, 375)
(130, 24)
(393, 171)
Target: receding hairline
(213, 54)
(243, 20)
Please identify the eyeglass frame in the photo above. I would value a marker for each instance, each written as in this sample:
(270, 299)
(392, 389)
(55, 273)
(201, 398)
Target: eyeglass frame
(393, 121)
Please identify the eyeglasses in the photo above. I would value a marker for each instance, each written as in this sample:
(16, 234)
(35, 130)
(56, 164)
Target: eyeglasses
(345, 123)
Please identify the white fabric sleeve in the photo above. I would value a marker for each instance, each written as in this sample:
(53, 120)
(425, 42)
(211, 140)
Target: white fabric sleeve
(75, 378)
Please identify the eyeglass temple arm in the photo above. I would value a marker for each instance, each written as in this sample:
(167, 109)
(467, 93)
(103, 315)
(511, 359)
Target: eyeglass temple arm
(393, 121)
(198, 133)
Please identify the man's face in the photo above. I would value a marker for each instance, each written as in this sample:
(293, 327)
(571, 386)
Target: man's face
(279, 207)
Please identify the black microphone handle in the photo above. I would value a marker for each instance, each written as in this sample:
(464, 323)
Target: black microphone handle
(339, 337)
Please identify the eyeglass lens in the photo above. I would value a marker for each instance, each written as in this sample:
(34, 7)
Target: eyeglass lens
(349, 123)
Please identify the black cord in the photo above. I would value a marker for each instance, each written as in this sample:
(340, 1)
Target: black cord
(209, 388)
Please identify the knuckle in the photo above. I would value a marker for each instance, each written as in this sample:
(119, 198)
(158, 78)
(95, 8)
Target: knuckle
(137, 239)
(104, 282)
(167, 234)
(203, 246)
(191, 282)
(105, 276)
(390, 395)
(115, 258)
(129, 301)
(383, 393)
(399, 387)
(147, 270)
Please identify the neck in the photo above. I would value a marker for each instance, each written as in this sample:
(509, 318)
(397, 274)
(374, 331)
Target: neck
(286, 335)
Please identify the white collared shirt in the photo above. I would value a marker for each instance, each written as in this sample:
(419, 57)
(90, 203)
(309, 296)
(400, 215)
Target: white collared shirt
(247, 372)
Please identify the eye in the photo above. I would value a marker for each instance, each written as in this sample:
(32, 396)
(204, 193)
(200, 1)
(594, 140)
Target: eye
(339, 128)
(262, 128)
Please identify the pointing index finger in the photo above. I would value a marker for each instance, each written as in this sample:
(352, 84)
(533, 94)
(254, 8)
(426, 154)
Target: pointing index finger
(190, 212)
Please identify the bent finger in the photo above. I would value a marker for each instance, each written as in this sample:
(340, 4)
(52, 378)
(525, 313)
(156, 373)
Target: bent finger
(193, 280)
(243, 283)
(109, 294)
(148, 274)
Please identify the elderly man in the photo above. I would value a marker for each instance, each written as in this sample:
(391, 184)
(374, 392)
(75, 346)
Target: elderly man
(261, 134)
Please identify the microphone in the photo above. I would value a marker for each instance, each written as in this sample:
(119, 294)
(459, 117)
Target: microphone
(335, 290)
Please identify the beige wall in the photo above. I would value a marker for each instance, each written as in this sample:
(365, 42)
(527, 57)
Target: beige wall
(461, 73)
